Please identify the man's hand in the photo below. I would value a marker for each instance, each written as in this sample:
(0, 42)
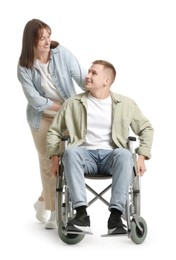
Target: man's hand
(55, 165)
(141, 165)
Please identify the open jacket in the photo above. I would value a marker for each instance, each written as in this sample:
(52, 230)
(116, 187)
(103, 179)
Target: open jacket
(125, 115)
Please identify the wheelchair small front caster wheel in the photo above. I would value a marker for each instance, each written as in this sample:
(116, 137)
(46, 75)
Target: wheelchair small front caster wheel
(138, 233)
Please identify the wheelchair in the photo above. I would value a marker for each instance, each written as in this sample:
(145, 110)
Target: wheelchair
(136, 225)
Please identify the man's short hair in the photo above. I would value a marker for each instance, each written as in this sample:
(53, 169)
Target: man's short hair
(107, 65)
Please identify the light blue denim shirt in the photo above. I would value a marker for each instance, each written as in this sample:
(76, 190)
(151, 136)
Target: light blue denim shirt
(64, 69)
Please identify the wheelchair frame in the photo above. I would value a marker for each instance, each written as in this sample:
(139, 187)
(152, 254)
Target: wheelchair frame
(136, 225)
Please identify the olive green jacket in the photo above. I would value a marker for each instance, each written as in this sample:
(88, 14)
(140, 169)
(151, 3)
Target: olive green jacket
(125, 113)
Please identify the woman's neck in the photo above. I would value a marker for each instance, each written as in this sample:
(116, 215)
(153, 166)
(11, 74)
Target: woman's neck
(43, 58)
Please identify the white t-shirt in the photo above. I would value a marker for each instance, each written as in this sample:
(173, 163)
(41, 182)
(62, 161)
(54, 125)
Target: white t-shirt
(99, 123)
(47, 83)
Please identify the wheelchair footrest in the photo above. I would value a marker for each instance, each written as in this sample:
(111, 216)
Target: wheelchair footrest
(112, 235)
(78, 232)
(70, 229)
(117, 231)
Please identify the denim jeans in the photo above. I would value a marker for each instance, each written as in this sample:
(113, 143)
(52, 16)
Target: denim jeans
(118, 163)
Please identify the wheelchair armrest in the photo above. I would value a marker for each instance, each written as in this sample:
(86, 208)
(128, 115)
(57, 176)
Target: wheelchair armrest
(130, 141)
(65, 138)
(131, 138)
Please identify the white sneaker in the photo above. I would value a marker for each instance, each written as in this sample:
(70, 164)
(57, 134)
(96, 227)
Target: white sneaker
(41, 213)
(51, 223)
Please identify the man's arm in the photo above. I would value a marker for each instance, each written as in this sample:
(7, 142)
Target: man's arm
(54, 135)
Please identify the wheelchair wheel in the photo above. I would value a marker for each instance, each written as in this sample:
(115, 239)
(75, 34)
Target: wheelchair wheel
(137, 235)
(71, 239)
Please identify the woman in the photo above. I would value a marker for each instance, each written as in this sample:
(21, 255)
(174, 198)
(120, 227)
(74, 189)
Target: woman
(46, 71)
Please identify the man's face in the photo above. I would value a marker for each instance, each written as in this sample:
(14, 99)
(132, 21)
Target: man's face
(97, 77)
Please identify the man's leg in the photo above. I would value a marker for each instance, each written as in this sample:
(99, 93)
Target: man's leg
(119, 164)
(76, 162)
(121, 171)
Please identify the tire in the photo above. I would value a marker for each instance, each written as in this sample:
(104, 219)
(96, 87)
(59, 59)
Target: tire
(138, 236)
(70, 239)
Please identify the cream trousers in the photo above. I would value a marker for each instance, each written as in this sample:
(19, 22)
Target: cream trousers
(48, 181)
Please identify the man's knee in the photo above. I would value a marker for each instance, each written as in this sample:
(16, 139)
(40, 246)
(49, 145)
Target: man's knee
(122, 153)
(70, 152)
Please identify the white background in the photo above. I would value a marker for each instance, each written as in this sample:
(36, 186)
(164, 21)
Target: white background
(138, 37)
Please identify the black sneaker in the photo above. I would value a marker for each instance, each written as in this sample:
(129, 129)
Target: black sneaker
(79, 224)
(116, 226)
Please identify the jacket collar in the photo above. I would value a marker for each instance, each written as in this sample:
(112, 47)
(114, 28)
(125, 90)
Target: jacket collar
(83, 96)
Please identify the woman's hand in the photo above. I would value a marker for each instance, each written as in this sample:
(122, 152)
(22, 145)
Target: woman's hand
(55, 106)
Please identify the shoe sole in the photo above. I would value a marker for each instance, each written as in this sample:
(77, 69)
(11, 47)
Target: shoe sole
(49, 228)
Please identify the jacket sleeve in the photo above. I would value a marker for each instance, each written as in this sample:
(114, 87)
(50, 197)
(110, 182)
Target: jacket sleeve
(55, 133)
(77, 71)
(34, 98)
(142, 127)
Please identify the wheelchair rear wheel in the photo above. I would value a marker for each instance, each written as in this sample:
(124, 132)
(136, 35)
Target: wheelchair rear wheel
(71, 239)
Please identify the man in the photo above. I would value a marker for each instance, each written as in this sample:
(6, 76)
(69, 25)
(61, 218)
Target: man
(98, 122)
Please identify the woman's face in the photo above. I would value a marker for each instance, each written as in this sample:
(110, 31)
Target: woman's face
(44, 42)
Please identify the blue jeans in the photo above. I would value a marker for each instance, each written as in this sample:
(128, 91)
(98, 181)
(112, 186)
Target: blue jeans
(118, 162)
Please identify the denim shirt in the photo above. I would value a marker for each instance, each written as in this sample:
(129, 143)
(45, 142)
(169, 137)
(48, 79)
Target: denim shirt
(64, 69)
(125, 113)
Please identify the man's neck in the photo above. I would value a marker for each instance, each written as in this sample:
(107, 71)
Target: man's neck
(99, 95)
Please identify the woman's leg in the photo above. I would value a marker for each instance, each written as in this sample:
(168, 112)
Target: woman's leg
(48, 181)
